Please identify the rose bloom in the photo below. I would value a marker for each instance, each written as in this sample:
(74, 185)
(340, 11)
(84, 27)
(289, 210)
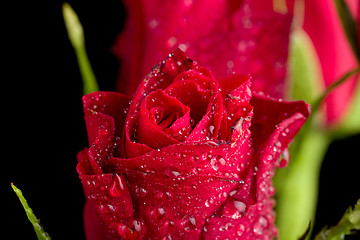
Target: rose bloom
(188, 157)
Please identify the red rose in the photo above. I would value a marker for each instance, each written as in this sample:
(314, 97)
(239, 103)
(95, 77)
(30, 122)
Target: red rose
(189, 157)
(225, 36)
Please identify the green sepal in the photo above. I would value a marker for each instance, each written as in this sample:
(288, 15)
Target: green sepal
(39, 230)
(305, 79)
(349, 222)
(349, 26)
(77, 39)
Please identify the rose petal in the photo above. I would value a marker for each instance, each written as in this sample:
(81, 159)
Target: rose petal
(92, 222)
(190, 94)
(98, 104)
(209, 126)
(237, 94)
(147, 131)
(271, 134)
(110, 201)
(225, 161)
(179, 209)
(160, 78)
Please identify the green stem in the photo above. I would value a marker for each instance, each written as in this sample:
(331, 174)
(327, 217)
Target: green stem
(297, 186)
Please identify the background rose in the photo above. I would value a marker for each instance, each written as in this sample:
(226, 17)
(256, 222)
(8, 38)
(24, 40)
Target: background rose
(210, 178)
(224, 36)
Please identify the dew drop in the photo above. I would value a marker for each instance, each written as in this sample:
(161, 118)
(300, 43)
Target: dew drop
(214, 163)
(127, 233)
(240, 229)
(153, 23)
(211, 129)
(161, 211)
(189, 223)
(143, 192)
(285, 159)
(171, 41)
(268, 159)
(137, 225)
(240, 206)
(192, 220)
(183, 47)
(260, 225)
(232, 193)
(117, 187)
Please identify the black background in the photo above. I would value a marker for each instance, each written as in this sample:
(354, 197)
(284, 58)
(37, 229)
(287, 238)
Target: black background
(43, 127)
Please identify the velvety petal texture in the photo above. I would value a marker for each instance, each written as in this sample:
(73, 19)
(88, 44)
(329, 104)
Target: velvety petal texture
(189, 157)
(225, 36)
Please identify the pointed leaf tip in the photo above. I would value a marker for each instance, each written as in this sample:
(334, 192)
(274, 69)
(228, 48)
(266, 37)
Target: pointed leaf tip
(350, 221)
(39, 230)
(76, 36)
(73, 26)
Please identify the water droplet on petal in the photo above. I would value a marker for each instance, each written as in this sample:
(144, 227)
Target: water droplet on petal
(161, 211)
(171, 41)
(153, 23)
(260, 225)
(192, 220)
(268, 159)
(117, 187)
(127, 233)
(240, 206)
(240, 229)
(189, 223)
(286, 158)
(143, 192)
(211, 129)
(137, 225)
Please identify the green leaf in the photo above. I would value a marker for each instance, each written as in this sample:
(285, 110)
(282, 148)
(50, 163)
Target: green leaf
(349, 222)
(76, 37)
(349, 26)
(315, 106)
(39, 230)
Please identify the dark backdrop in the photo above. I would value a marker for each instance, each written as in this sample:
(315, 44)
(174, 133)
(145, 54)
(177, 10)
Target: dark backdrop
(44, 127)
